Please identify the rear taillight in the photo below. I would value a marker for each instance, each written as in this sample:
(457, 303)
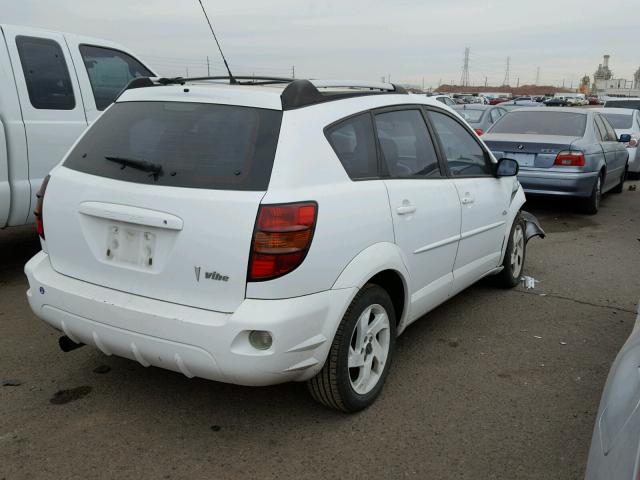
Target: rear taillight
(281, 239)
(39, 204)
(570, 159)
(479, 131)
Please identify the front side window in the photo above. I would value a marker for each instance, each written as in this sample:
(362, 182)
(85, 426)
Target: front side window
(46, 74)
(406, 145)
(464, 155)
(109, 72)
(355, 145)
(619, 121)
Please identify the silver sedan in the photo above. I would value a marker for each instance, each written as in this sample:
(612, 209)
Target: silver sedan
(562, 152)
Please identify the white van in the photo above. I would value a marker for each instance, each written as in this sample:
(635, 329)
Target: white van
(52, 85)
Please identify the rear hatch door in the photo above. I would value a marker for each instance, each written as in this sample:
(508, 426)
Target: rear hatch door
(159, 199)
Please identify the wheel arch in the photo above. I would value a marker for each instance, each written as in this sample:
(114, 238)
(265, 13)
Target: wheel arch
(382, 264)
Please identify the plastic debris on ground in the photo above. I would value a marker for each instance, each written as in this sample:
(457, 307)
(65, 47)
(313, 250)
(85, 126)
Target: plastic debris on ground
(528, 282)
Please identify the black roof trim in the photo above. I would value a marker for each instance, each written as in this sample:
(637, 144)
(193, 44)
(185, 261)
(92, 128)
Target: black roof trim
(302, 93)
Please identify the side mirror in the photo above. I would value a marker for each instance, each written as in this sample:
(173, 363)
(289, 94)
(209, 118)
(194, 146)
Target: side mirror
(507, 168)
(625, 138)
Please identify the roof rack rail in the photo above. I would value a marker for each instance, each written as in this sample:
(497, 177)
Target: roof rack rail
(297, 93)
(301, 93)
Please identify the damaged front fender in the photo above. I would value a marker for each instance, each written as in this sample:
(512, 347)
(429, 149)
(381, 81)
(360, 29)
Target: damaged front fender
(532, 226)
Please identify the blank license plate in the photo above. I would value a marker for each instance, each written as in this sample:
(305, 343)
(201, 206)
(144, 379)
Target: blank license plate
(130, 246)
(523, 159)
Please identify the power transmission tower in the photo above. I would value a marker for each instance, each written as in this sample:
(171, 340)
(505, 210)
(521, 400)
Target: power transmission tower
(208, 67)
(537, 75)
(464, 79)
(507, 72)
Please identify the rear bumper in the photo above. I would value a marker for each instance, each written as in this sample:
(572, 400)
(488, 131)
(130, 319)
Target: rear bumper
(557, 183)
(634, 160)
(195, 342)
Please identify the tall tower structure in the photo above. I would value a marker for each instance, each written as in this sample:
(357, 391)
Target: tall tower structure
(507, 72)
(464, 79)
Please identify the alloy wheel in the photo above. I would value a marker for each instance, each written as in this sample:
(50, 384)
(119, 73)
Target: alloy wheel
(369, 348)
(517, 251)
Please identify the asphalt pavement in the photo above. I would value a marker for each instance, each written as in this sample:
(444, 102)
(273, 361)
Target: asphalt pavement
(494, 384)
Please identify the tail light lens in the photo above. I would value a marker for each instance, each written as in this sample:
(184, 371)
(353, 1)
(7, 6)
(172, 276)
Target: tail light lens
(570, 159)
(39, 204)
(479, 131)
(281, 239)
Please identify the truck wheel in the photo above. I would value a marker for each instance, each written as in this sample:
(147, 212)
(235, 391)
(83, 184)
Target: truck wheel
(514, 255)
(360, 356)
(592, 203)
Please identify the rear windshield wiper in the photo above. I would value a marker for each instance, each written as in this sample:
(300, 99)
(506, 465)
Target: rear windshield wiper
(154, 168)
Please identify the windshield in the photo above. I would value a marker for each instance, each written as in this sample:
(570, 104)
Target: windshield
(181, 144)
(541, 123)
(619, 121)
(471, 116)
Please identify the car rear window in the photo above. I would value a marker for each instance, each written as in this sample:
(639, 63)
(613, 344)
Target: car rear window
(619, 121)
(181, 144)
(471, 116)
(541, 123)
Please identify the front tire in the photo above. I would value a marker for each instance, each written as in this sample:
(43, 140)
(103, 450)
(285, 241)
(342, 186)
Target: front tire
(620, 186)
(360, 355)
(592, 204)
(513, 263)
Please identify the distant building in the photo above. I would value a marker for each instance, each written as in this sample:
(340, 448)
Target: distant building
(605, 85)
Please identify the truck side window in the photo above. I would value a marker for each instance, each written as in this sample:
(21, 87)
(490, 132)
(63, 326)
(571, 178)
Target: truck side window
(46, 73)
(109, 72)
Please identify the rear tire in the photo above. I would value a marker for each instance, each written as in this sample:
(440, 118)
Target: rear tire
(514, 255)
(592, 203)
(360, 355)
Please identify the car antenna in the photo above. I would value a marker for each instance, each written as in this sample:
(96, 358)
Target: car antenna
(232, 80)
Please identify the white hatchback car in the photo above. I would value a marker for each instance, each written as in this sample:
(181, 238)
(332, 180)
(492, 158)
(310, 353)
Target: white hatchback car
(270, 231)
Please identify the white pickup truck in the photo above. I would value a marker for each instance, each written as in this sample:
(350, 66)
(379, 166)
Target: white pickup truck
(52, 85)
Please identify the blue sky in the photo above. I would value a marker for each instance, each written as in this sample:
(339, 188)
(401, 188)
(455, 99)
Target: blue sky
(407, 39)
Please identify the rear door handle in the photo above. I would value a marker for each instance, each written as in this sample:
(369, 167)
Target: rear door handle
(406, 209)
(467, 200)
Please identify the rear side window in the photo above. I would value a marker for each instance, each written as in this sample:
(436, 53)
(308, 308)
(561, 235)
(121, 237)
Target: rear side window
(611, 133)
(181, 144)
(355, 146)
(109, 72)
(542, 123)
(46, 73)
(406, 145)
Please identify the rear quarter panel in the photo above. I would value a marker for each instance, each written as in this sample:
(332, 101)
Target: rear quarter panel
(352, 215)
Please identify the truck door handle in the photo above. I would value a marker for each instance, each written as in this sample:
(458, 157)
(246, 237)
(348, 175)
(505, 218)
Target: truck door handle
(406, 209)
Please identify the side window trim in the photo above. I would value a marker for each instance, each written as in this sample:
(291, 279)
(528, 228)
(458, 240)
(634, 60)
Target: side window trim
(597, 121)
(382, 167)
(440, 147)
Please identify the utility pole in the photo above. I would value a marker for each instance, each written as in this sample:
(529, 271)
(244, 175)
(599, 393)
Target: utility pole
(464, 79)
(389, 78)
(507, 71)
(518, 83)
(485, 82)
(537, 75)
(423, 84)
(208, 68)
(187, 70)
(563, 83)
(293, 71)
